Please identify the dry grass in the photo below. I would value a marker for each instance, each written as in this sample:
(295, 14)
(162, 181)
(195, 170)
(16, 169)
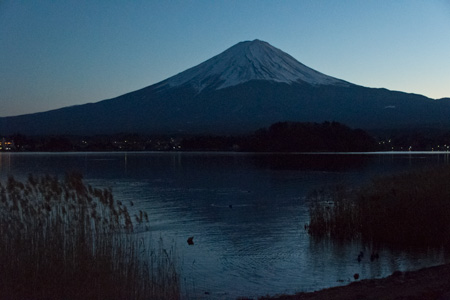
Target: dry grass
(63, 239)
(411, 208)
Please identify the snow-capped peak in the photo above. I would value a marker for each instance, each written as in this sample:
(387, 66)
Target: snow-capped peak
(250, 60)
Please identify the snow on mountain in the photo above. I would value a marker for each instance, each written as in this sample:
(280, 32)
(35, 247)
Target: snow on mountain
(173, 107)
(249, 60)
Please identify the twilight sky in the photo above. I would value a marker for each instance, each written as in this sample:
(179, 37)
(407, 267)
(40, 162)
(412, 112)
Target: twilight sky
(61, 53)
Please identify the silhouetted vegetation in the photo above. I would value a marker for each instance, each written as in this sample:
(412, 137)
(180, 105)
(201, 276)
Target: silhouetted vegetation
(290, 137)
(411, 208)
(63, 239)
(310, 137)
(279, 137)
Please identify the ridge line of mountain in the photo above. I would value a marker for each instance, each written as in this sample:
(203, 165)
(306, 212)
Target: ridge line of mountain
(230, 94)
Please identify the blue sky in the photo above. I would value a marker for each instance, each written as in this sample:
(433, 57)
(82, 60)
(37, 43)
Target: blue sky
(61, 53)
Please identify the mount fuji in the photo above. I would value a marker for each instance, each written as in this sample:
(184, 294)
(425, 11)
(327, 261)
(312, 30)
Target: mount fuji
(246, 61)
(246, 87)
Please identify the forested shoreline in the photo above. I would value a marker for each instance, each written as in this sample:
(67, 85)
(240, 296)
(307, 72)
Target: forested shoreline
(279, 137)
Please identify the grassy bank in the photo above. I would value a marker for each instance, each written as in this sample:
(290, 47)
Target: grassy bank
(411, 208)
(63, 239)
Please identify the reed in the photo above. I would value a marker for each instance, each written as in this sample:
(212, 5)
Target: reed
(64, 239)
(411, 208)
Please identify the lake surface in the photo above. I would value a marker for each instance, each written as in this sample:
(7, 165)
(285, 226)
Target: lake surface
(246, 213)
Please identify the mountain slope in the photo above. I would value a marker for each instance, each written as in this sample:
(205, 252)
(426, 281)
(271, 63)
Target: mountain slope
(248, 86)
(246, 61)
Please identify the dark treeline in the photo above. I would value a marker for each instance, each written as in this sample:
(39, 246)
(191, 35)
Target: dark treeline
(279, 137)
(327, 136)
(290, 137)
(117, 142)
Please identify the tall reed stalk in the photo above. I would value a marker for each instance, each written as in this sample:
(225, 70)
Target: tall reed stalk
(411, 208)
(64, 239)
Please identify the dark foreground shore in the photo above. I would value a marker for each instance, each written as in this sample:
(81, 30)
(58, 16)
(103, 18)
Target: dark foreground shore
(425, 284)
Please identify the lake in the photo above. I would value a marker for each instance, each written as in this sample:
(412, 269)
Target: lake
(245, 211)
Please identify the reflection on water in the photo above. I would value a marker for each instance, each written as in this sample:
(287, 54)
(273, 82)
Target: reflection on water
(246, 213)
(317, 162)
(5, 162)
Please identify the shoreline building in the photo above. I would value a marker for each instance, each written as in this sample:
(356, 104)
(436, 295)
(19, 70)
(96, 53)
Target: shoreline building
(6, 145)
